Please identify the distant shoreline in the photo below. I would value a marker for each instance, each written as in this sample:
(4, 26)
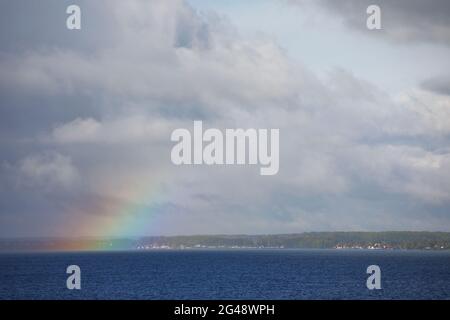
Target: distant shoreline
(386, 240)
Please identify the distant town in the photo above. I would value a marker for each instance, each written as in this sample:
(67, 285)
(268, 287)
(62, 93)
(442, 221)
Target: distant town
(393, 240)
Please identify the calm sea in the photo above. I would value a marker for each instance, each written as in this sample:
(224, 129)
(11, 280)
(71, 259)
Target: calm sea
(227, 274)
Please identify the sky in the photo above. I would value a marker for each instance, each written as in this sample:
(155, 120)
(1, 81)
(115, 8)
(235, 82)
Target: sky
(86, 116)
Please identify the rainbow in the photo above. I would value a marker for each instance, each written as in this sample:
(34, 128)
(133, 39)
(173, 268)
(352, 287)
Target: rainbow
(129, 217)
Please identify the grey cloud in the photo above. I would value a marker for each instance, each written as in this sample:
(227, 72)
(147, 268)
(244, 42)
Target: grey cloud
(50, 170)
(403, 21)
(106, 113)
(165, 55)
(440, 85)
(29, 25)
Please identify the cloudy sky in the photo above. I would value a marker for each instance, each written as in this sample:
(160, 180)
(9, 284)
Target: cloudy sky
(86, 116)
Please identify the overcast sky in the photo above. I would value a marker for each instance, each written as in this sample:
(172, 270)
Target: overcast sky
(86, 116)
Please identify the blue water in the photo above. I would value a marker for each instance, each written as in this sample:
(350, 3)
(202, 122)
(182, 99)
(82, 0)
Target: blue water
(227, 274)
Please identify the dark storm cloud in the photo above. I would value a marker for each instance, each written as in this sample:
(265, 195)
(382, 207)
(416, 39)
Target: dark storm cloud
(440, 84)
(402, 20)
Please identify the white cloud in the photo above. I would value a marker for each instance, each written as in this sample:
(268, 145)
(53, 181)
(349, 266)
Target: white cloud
(78, 130)
(133, 128)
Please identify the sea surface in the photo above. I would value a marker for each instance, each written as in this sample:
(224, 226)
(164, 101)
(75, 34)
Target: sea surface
(227, 274)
